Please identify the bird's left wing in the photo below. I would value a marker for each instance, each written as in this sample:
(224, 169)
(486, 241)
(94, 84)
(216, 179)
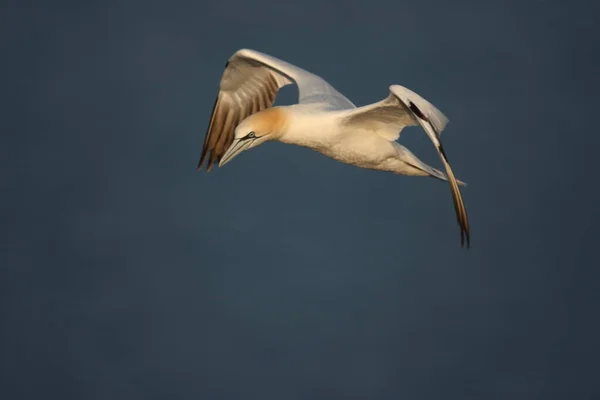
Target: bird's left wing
(402, 108)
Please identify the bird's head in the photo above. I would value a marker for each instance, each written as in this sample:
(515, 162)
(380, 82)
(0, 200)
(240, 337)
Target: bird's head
(256, 129)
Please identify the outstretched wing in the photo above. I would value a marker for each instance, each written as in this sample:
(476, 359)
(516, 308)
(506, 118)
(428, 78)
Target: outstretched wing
(250, 84)
(247, 86)
(402, 108)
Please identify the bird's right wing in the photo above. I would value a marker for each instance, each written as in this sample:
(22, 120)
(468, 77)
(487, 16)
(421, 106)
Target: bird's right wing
(311, 88)
(250, 84)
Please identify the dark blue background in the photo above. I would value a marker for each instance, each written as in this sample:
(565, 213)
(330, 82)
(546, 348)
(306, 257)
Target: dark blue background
(126, 274)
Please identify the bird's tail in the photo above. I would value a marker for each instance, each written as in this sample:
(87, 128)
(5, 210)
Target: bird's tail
(436, 173)
(420, 168)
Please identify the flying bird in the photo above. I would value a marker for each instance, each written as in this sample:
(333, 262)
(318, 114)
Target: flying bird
(323, 120)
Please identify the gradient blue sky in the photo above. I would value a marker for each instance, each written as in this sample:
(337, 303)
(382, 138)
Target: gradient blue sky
(126, 274)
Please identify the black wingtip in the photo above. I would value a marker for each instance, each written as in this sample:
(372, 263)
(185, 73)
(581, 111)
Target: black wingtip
(465, 235)
(417, 111)
(201, 162)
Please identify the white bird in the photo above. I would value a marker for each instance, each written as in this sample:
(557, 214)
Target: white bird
(323, 120)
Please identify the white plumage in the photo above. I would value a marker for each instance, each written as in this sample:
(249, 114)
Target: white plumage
(323, 120)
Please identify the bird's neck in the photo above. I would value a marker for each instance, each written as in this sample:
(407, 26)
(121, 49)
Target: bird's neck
(314, 131)
(308, 139)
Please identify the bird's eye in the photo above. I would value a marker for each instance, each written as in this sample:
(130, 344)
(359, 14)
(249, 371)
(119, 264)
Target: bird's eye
(251, 135)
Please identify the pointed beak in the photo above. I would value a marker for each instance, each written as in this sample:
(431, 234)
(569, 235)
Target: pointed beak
(236, 148)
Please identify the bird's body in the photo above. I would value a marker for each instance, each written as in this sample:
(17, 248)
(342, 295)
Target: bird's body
(323, 120)
(324, 131)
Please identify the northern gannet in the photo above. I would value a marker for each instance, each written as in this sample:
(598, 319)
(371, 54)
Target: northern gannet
(323, 120)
